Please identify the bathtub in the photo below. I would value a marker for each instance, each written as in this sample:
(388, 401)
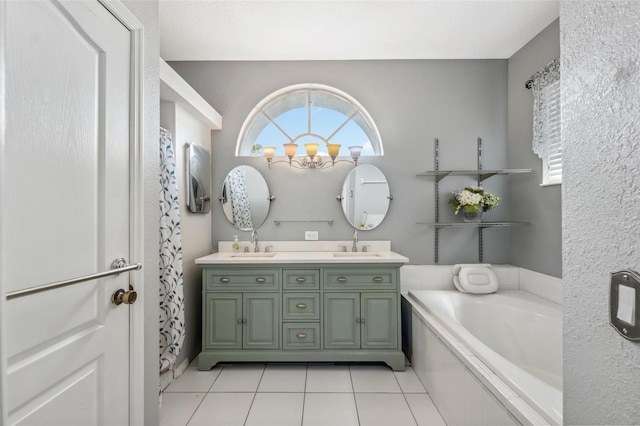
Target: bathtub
(513, 336)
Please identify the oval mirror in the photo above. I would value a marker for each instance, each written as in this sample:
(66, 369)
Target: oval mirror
(365, 197)
(245, 198)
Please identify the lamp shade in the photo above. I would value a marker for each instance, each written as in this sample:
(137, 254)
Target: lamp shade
(355, 151)
(312, 149)
(334, 149)
(269, 151)
(290, 149)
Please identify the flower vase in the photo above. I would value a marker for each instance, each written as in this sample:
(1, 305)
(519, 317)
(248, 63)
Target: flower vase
(472, 216)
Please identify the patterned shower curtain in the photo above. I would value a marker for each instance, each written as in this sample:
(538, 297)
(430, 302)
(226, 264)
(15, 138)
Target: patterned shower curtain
(172, 329)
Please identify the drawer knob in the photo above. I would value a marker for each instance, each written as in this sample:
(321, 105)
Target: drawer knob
(378, 279)
(301, 305)
(301, 279)
(260, 280)
(240, 321)
(342, 279)
(358, 320)
(225, 280)
(301, 335)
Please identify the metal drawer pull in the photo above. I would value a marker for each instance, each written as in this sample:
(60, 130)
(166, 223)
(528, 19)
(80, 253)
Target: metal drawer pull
(378, 279)
(260, 280)
(301, 305)
(358, 320)
(362, 321)
(240, 321)
(301, 335)
(225, 280)
(301, 279)
(341, 279)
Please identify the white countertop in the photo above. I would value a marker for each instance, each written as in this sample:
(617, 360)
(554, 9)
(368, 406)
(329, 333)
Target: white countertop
(325, 252)
(301, 257)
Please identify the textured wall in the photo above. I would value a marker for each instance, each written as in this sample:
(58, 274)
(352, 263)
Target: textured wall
(537, 247)
(601, 201)
(412, 102)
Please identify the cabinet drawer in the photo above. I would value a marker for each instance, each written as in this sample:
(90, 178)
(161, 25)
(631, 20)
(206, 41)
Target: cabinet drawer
(301, 306)
(241, 279)
(365, 279)
(301, 335)
(301, 279)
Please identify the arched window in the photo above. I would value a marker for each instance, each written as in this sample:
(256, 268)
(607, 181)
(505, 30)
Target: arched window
(309, 113)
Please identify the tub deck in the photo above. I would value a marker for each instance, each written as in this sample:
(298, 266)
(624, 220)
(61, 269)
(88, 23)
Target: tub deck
(515, 335)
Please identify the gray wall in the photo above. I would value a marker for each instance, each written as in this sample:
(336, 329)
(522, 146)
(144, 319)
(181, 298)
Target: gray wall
(537, 247)
(601, 201)
(412, 102)
(147, 14)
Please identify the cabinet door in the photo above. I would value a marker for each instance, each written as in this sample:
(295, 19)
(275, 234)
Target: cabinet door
(379, 320)
(222, 328)
(342, 320)
(262, 315)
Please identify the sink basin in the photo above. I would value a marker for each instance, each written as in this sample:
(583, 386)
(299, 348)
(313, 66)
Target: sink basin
(355, 254)
(250, 254)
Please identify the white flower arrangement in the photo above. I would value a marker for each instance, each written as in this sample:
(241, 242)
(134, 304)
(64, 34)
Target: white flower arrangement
(472, 199)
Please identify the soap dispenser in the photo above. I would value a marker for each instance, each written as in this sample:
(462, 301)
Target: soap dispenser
(236, 244)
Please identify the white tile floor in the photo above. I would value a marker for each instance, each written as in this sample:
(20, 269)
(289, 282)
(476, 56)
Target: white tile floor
(297, 394)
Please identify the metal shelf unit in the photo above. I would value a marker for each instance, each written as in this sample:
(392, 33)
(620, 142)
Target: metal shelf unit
(481, 175)
(474, 225)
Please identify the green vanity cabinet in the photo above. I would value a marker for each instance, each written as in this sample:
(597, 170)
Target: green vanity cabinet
(237, 320)
(360, 320)
(301, 312)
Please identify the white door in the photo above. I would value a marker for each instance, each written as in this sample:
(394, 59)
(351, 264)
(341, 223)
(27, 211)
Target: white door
(66, 212)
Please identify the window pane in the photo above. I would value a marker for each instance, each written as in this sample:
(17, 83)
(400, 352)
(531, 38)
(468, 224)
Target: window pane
(295, 122)
(271, 136)
(351, 135)
(325, 121)
(331, 101)
(260, 122)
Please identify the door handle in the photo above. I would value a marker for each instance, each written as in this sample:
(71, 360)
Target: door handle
(127, 297)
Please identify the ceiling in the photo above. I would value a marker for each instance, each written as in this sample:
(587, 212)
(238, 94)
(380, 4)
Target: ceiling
(236, 30)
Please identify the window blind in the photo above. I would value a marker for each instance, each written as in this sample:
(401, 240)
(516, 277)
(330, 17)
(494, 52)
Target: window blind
(553, 161)
(547, 142)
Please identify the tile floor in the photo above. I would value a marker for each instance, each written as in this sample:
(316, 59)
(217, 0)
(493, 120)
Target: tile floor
(297, 394)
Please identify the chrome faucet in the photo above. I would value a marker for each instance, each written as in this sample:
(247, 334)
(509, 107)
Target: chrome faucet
(254, 240)
(354, 248)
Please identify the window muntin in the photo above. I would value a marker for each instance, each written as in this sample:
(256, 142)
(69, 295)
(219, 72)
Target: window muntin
(309, 113)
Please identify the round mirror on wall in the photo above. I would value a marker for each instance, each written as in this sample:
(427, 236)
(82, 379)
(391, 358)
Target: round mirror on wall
(365, 197)
(245, 198)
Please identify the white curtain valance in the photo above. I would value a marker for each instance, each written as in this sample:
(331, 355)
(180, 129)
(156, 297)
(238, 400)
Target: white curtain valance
(546, 90)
